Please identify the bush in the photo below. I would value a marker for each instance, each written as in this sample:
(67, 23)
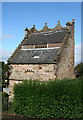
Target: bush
(53, 99)
(79, 69)
(4, 101)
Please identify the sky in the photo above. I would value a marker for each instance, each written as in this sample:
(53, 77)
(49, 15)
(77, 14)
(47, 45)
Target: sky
(16, 16)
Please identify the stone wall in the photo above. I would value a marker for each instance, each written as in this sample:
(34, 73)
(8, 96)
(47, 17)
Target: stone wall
(11, 85)
(54, 45)
(66, 62)
(32, 71)
(41, 46)
(49, 45)
(28, 46)
(22, 72)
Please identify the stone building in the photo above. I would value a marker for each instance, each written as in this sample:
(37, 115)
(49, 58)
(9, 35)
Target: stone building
(43, 55)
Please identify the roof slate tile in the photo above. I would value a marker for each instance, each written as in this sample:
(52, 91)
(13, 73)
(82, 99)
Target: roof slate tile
(27, 56)
(45, 37)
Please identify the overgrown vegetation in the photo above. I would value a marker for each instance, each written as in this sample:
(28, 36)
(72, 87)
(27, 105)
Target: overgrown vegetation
(53, 99)
(79, 69)
(4, 101)
(3, 75)
(4, 71)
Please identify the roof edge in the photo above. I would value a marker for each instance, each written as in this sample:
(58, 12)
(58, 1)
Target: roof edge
(17, 49)
(62, 47)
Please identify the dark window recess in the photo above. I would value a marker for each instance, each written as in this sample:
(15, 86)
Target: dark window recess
(41, 46)
(69, 32)
(40, 67)
(29, 71)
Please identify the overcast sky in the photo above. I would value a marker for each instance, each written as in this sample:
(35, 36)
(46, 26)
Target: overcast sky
(18, 15)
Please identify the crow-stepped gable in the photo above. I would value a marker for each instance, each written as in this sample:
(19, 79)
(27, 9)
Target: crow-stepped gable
(44, 55)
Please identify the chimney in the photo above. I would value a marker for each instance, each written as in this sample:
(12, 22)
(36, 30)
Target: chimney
(45, 24)
(70, 26)
(58, 22)
(26, 31)
(73, 21)
(33, 25)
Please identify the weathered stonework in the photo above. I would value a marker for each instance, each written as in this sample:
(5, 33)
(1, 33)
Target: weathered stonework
(66, 63)
(41, 46)
(54, 45)
(11, 85)
(21, 72)
(28, 47)
(32, 71)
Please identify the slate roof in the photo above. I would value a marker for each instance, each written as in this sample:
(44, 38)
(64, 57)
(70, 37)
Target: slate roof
(35, 56)
(46, 37)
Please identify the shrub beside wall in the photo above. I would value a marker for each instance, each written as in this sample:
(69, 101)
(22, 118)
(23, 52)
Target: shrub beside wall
(53, 99)
(4, 101)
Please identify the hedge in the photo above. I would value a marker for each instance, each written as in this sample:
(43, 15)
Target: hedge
(4, 101)
(52, 99)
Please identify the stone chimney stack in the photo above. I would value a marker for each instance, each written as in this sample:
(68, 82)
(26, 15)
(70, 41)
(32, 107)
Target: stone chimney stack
(45, 24)
(26, 31)
(70, 27)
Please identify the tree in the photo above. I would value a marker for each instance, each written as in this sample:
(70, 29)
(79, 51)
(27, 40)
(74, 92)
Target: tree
(3, 70)
(2, 64)
(79, 69)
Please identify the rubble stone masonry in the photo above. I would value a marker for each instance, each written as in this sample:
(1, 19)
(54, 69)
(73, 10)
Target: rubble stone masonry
(66, 63)
(22, 72)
